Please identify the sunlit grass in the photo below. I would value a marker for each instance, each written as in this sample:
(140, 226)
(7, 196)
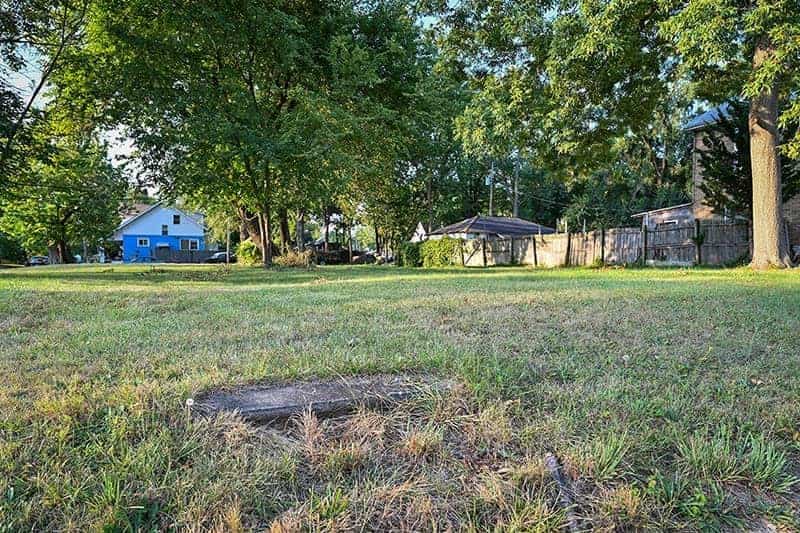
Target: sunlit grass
(671, 396)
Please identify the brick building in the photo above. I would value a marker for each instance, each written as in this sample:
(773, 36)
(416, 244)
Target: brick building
(697, 208)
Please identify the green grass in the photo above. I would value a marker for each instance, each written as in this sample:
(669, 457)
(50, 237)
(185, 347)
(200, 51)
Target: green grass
(672, 398)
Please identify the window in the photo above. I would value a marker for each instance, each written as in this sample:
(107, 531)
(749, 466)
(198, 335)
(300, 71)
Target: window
(143, 242)
(176, 219)
(164, 229)
(190, 244)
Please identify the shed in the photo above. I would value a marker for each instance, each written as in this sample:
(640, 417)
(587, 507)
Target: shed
(491, 228)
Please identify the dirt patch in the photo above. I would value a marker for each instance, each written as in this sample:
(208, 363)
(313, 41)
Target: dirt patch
(265, 403)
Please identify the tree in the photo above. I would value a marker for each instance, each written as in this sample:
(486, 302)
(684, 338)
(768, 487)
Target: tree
(539, 94)
(727, 169)
(10, 250)
(34, 37)
(727, 48)
(70, 193)
(268, 104)
(748, 48)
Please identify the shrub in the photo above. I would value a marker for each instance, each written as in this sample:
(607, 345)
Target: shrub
(247, 253)
(408, 255)
(295, 259)
(10, 250)
(441, 253)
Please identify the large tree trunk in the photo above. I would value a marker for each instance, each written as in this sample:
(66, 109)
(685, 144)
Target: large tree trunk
(770, 248)
(326, 220)
(59, 253)
(300, 228)
(350, 243)
(266, 236)
(284, 223)
(250, 227)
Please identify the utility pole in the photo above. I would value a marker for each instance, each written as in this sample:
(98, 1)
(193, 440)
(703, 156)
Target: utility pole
(491, 190)
(516, 187)
(227, 243)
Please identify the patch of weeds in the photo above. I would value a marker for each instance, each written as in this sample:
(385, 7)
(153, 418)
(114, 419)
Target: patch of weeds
(514, 498)
(714, 457)
(766, 465)
(709, 508)
(781, 515)
(723, 458)
(606, 456)
(310, 434)
(668, 491)
(329, 506)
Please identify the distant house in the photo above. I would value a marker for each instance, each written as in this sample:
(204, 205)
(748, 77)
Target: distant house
(687, 213)
(490, 228)
(697, 209)
(667, 216)
(150, 232)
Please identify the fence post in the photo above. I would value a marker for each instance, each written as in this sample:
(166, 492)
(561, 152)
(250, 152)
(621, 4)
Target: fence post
(569, 247)
(513, 256)
(535, 259)
(603, 245)
(698, 243)
(461, 247)
(644, 245)
(483, 249)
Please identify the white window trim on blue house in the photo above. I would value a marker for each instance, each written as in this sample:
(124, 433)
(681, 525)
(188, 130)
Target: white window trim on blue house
(143, 242)
(190, 242)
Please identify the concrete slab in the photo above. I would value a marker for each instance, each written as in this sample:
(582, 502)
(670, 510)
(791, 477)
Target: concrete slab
(324, 398)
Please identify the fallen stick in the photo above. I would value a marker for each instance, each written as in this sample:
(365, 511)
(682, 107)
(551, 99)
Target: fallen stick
(565, 496)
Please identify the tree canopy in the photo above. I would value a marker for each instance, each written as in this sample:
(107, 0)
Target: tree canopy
(69, 193)
(388, 113)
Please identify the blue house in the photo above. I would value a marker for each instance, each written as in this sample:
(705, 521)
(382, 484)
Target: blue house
(159, 233)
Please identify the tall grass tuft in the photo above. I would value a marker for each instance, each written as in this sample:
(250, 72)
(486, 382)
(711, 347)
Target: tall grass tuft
(607, 454)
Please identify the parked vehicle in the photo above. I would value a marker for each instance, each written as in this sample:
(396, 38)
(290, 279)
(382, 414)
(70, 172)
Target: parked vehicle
(220, 257)
(35, 260)
(366, 258)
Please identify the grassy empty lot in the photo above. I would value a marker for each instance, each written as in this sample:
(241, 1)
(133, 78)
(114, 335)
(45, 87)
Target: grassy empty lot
(672, 398)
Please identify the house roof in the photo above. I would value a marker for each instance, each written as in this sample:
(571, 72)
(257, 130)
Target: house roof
(670, 208)
(709, 118)
(139, 210)
(132, 213)
(494, 226)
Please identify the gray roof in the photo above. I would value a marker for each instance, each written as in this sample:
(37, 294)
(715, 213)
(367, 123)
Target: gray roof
(709, 118)
(660, 209)
(500, 226)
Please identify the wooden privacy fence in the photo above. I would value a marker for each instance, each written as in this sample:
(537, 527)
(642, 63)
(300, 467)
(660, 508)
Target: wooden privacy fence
(706, 243)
